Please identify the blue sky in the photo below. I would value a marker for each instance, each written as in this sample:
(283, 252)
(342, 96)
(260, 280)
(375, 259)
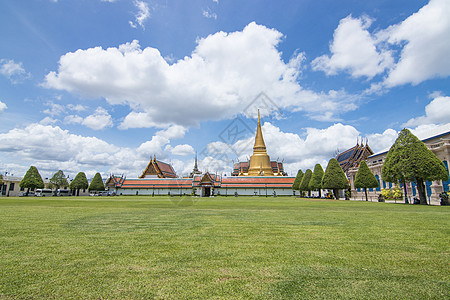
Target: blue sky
(93, 85)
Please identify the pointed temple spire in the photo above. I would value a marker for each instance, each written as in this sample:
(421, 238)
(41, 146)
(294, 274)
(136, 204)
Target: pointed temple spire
(195, 171)
(260, 160)
(195, 165)
(259, 140)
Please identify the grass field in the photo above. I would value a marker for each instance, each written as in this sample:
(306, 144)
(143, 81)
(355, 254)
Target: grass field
(222, 248)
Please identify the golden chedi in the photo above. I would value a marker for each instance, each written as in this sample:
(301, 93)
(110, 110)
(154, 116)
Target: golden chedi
(260, 160)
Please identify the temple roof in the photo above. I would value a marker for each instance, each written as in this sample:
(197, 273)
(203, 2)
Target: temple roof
(158, 169)
(352, 157)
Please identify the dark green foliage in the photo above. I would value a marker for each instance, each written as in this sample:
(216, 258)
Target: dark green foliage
(298, 179)
(32, 180)
(316, 180)
(410, 159)
(79, 183)
(58, 180)
(97, 183)
(1, 178)
(304, 184)
(334, 178)
(365, 178)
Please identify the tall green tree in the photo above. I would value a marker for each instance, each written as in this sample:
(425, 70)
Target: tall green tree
(365, 178)
(79, 182)
(316, 180)
(1, 179)
(97, 183)
(334, 178)
(58, 180)
(410, 159)
(32, 180)
(298, 179)
(304, 184)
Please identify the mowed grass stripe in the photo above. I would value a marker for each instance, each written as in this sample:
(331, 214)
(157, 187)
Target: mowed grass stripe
(222, 247)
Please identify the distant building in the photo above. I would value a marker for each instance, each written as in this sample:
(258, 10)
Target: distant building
(158, 169)
(195, 171)
(260, 177)
(438, 144)
(353, 156)
(259, 163)
(10, 186)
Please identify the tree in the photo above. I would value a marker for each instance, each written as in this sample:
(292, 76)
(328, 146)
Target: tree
(298, 179)
(58, 180)
(32, 180)
(97, 183)
(391, 171)
(365, 178)
(316, 180)
(410, 159)
(334, 178)
(304, 184)
(1, 179)
(79, 182)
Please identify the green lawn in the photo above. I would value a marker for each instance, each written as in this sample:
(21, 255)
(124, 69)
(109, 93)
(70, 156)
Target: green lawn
(222, 248)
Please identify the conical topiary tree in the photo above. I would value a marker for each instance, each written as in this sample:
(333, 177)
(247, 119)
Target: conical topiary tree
(298, 179)
(32, 180)
(365, 178)
(97, 183)
(334, 178)
(79, 182)
(58, 180)
(410, 159)
(316, 180)
(304, 184)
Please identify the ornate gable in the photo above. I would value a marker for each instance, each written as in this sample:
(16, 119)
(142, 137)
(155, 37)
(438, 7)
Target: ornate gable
(158, 169)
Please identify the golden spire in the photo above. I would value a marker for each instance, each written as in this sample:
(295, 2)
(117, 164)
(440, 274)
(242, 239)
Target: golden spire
(260, 160)
(259, 140)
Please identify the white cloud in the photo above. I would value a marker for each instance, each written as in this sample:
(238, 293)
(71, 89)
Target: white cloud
(354, 50)
(51, 148)
(142, 15)
(77, 107)
(54, 109)
(224, 73)
(207, 13)
(2, 106)
(318, 146)
(140, 120)
(48, 121)
(99, 120)
(39, 142)
(180, 150)
(427, 45)
(13, 71)
(429, 130)
(436, 112)
(380, 142)
(422, 39)
(73, 119)
(173, 132)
